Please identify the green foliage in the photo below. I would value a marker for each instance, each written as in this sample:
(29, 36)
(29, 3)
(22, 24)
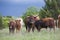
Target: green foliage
(6, 20)
(23, 35)
(51, 9)
(44, 13)
(1, 26)
(31, 11)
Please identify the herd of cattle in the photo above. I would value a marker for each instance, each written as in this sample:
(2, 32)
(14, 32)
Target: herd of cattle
(34, 22)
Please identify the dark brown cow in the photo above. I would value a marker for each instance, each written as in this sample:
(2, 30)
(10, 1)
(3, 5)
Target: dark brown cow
(29, 23)
(18, 25)
(44, 23)
(11, 26)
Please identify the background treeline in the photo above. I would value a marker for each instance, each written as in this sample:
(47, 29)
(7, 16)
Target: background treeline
(4, 20)
(51, 9)
(1, 26)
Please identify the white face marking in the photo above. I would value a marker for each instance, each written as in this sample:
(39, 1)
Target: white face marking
(10, 26)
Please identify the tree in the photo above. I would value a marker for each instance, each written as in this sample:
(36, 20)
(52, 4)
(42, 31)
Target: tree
(51, 8)
(1, 25)
(31, 11)
(6, 20)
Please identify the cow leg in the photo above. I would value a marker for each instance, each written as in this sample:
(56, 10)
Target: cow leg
(10, 29)
(28, 29)
(38, 29)
(17, 29)
(46, 27)
(13, 31)
(33, 29)
(51, 27)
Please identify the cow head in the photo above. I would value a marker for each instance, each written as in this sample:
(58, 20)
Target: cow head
(31, 19)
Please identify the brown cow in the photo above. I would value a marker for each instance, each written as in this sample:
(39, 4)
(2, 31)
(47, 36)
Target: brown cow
(18, 25)
(11, 26)
(44, 23)
(49, 22)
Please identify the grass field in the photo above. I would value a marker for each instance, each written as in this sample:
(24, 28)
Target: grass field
(23, 35)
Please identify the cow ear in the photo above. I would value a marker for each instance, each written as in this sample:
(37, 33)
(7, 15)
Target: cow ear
(19, 20)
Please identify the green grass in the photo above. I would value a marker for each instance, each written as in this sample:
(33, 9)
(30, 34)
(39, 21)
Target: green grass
(23, 35)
